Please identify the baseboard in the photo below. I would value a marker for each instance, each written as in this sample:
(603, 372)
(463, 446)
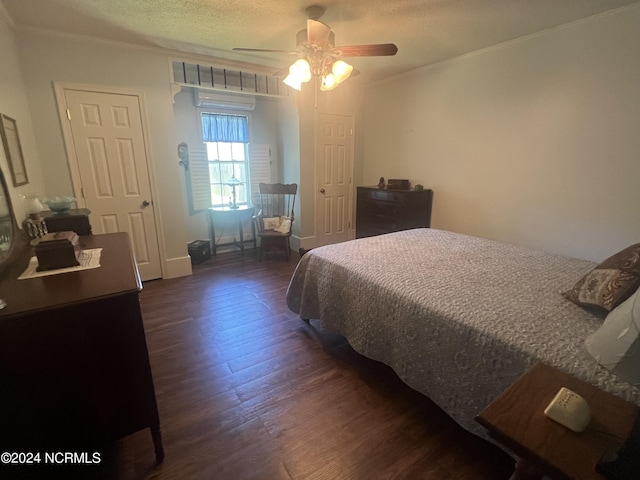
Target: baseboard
(302, 242)
(177, 267)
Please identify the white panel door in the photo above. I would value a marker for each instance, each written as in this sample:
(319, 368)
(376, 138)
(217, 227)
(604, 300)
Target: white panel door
(334, 158)
(108, 139)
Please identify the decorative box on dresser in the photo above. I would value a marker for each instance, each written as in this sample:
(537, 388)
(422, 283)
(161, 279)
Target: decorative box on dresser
(381, 211)
(74, 365)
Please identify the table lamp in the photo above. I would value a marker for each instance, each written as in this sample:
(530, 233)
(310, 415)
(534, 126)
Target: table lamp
(34, 224)
(233, 183)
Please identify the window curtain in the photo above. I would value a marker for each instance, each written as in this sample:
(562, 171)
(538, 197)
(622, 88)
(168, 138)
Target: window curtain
(225, 128)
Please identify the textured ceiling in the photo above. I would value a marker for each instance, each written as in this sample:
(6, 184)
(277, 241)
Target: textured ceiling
(425, 31)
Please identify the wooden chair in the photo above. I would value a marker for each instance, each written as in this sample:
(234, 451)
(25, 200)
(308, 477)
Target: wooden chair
(275, 217)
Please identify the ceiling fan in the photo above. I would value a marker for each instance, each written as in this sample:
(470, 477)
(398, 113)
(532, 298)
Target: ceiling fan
(320, 57)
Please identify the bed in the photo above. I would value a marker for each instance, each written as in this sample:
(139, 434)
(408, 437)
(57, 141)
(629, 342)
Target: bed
(458, 318)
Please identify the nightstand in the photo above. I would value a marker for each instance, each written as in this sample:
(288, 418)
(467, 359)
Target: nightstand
(516, 419)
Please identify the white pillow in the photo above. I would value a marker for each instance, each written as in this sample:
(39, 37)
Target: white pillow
(616, 344)
(285, 225)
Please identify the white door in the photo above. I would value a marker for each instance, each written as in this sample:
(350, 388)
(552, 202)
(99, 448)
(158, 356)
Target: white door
(108, 140)
(334, 159)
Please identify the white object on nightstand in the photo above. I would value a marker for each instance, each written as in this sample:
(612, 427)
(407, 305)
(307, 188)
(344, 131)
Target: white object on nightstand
(569, 409)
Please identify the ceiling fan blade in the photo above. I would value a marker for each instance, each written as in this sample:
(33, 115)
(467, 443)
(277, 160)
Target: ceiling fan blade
(374, 50)
(283, 72)
(290, 52)
(317, 33)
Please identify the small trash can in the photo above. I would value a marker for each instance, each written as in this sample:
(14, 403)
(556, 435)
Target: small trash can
(199, 251)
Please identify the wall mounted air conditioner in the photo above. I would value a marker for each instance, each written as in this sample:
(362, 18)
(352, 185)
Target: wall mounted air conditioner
(207, 99)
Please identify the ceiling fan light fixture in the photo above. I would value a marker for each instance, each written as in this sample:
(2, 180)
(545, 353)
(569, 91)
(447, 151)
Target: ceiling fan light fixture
(341, 71)
(293, 82)
(299, 73)
(328, 82)
(301, 69)
(317, 45)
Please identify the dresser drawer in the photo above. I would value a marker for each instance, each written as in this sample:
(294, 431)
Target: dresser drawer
(381, 208)
(384, 196)
(381, 211)
(397, 197)
(381, 195)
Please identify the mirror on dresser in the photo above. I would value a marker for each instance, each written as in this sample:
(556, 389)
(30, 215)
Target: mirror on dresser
(9, 232)
(6, 221)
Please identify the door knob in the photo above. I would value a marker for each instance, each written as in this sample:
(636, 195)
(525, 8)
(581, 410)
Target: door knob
(322, 190)
(145, 203)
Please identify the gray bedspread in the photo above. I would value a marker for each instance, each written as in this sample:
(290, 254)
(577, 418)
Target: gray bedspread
(458, 318)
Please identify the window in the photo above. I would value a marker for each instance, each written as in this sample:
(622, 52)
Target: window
(227, 139)
(227, 159)
(221, 155)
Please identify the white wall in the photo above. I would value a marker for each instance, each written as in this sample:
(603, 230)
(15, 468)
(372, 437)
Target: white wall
(289, 148)
(14, 103)
(535, 142)
(47, 58)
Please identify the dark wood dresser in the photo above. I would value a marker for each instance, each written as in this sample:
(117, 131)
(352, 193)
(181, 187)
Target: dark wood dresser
(75, 220)
(381, 211)
(74, 365)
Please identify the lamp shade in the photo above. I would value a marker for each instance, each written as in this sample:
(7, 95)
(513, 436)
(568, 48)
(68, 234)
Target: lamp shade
(328, 82)
(233, 181)
(341, 70)
(293, 82)
(299, 73)
(32, 205)
(616, 344)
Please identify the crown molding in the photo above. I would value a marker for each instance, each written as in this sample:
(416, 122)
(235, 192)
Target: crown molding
(172, 54)
(508, 43)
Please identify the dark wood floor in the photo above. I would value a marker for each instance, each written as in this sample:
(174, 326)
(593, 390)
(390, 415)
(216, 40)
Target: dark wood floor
(246, 390)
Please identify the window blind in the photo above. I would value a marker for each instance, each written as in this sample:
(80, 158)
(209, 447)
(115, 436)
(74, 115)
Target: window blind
(259, 168)
(198, 181)
(225, 128)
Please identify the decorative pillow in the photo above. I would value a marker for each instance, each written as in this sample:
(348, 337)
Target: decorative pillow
(270, 223)
(285, 225)
(616, 344)
(610, 283)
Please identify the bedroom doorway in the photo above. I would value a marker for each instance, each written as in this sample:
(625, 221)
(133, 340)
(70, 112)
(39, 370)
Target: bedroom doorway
(107, 153)
(334, 167)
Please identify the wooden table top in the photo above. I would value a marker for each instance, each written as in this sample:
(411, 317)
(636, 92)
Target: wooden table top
(516, 419)
(117, 275)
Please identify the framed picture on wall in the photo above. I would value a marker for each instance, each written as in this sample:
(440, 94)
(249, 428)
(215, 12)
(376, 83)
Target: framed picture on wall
(13, 150)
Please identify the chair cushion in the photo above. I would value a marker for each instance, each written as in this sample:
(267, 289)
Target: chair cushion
(285, 225)
(270, 223)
